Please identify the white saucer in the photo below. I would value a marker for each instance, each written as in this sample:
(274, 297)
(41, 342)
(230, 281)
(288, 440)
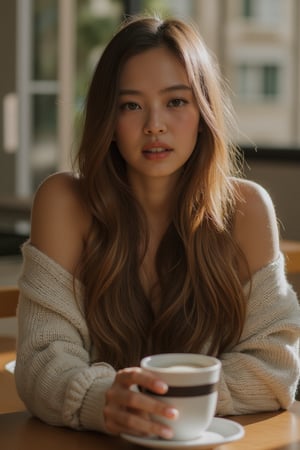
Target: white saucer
(220, 431)
(10, 366)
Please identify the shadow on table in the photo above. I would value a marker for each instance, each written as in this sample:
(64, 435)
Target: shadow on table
(21, 431)
(248, 419)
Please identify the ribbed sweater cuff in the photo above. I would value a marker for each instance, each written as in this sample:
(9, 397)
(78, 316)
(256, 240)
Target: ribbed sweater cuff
(91, 414)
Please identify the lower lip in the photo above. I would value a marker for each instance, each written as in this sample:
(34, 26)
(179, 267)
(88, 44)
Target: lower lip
(157, 156)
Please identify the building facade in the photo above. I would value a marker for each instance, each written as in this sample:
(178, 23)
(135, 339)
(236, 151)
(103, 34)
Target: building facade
(257, 43)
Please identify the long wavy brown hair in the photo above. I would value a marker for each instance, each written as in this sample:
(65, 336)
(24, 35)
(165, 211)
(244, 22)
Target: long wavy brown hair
(201, 297)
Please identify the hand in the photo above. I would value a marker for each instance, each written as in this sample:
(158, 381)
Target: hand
(128, 411)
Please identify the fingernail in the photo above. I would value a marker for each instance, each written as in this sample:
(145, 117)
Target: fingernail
(166, 433)
(161, 386)
(172, 413)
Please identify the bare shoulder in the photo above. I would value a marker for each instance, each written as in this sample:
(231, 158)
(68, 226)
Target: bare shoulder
(60, 220)
(252, 199)
(256, 228)
(59, 189)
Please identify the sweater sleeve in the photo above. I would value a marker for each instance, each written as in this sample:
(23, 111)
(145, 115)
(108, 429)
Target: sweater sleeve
(55, 375)
(261, 372)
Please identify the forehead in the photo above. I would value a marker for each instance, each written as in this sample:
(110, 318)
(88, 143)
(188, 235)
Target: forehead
(158, 67)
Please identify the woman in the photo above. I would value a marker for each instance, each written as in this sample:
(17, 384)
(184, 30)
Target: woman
(154, 246)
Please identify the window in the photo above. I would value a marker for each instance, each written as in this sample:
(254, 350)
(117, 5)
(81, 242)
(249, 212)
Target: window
(266, 11)
(43, 90)
(42, 109)
(258, 82)
(270, 81)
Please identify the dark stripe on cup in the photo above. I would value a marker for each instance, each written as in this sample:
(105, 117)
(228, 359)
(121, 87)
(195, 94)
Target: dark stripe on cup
(184, 391)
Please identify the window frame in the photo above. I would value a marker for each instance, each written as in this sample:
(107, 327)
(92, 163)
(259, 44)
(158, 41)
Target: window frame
(253, 81)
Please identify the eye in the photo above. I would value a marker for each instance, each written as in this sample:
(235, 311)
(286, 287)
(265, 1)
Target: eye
(129, 106)
(177, 102)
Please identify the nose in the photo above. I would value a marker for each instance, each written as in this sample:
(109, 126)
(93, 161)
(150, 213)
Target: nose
(154, 124)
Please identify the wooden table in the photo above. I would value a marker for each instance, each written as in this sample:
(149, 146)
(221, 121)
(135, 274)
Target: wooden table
(269, 431)
(9, 399)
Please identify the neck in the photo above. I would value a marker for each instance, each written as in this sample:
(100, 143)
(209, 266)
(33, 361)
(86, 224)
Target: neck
(156, 196)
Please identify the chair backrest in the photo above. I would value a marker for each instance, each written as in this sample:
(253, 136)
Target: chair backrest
(9, 296)
(291, 250)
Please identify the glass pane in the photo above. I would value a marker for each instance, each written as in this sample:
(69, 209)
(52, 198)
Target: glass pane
(44, 137)
(270, 81)
(247, 9)
(269, 11)
(256, 83)
(96, 24)
(45, 36)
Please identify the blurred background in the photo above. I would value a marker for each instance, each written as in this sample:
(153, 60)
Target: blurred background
(48, 52)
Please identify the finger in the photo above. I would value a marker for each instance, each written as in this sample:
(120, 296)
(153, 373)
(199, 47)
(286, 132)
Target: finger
(136, 375)
(124, 421)
(137, 401)
(115, 425)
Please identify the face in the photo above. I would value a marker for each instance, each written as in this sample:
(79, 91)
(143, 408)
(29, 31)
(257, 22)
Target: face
(158, 118)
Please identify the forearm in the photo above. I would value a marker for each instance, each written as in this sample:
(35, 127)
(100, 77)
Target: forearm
(261, 372)
(54, 375)
(55, 372)
(262, 380)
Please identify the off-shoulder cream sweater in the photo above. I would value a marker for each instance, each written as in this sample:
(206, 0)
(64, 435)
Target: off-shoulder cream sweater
(61, 380)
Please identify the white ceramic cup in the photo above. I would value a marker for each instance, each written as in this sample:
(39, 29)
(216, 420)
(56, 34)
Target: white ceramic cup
(193, 381)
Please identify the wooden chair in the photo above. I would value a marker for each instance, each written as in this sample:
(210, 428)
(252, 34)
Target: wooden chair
(8, 301)
(9, 399)
(291, 250)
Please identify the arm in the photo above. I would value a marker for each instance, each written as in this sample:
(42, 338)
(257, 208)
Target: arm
(55, 371)
(55, 374)
(261, 372)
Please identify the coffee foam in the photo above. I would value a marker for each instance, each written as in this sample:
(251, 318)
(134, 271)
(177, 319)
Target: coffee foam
(182, 367)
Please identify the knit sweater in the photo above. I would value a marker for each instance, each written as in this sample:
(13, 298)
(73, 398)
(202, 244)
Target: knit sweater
(61, 380)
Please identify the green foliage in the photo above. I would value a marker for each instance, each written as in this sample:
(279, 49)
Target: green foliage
(93, 32)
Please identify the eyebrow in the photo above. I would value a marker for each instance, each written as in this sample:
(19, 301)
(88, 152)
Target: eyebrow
(175, 87)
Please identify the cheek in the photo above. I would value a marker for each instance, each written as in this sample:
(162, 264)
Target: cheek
(124, 137)
(120, 128)
(189, 121)
(125, 129)
(189, 128)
